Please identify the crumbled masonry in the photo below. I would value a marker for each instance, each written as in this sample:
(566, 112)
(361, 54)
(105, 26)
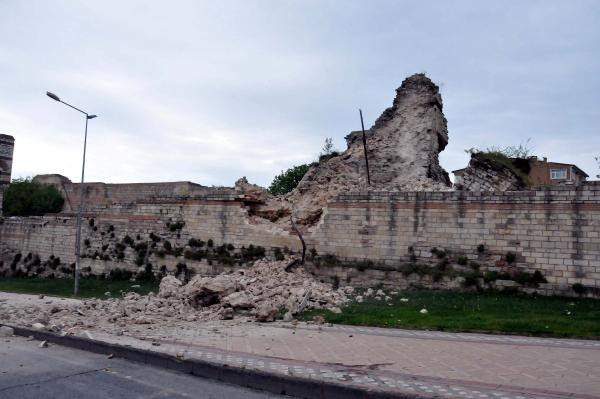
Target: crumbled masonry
(485, 174)
(403, 148)
(264, 292)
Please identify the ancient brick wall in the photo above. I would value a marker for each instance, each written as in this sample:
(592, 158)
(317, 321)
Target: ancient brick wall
(555, 231)
(102, 195)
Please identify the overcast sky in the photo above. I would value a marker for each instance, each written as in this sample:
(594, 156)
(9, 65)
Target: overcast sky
(212, 91)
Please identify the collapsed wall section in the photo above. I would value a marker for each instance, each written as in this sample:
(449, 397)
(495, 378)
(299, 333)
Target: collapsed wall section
(554, 231)
(403, 149)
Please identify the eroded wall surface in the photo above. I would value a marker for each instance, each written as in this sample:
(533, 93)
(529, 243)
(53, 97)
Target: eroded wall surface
(555, 231)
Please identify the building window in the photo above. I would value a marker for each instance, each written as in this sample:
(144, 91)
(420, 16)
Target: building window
(556, 174)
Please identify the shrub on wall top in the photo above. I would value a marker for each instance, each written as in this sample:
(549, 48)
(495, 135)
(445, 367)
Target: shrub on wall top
(288, 180)
(24, 197)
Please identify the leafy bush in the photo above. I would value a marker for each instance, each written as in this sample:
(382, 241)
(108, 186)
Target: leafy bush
(328, 260)
(288, 180)
(252, 253)
(278, 253)
(195, 243)
(24, 197)
(511, 257)
(578, 288)
(147, 274)
(529, 279)
(128, 240)
(119, 274)
(176, 226)
(195, 255)
(462, 260)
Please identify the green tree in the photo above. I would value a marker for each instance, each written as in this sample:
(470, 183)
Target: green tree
(598, 161)
(24, 197)
(288, 180)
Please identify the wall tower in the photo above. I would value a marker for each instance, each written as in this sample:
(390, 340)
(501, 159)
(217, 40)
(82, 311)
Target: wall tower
(7, 145)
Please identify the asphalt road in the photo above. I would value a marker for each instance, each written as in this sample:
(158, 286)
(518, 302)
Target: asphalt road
(28, 371)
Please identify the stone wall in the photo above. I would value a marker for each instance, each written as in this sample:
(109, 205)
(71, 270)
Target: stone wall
(373, 237)
(102, 195)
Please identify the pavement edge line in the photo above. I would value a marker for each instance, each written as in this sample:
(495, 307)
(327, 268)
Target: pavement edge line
(255, 379)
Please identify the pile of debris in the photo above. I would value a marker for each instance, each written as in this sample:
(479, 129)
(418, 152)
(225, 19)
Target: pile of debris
(264, 292)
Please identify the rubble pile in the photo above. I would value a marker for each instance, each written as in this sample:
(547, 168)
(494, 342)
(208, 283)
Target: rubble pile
(403, 149)
(263, 292)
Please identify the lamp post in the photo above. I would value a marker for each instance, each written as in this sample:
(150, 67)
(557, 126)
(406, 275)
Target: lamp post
(81, 194)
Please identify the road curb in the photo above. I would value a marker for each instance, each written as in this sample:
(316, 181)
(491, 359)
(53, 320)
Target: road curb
(256, 379)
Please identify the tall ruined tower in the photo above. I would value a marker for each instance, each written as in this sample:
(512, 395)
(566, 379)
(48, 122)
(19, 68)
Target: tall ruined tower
(7, 145)
(403, 149)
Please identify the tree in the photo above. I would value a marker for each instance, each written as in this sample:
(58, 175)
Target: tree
(24, 197)
(327, 147)
(288, 180)
(328, 151)
(598, 161)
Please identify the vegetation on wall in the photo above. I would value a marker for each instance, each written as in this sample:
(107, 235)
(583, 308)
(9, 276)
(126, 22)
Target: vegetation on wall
(328, 151)
(514, 157)
(24, 197)
(288, 180)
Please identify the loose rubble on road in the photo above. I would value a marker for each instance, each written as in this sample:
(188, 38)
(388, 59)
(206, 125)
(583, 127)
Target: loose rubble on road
(264, 292)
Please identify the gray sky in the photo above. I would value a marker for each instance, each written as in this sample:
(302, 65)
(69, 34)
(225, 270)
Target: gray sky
(212, 91)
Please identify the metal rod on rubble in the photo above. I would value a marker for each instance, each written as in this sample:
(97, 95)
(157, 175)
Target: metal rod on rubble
(362, 124)
(81, 195)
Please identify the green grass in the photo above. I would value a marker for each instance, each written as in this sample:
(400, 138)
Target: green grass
(477, 312)
(88, 287)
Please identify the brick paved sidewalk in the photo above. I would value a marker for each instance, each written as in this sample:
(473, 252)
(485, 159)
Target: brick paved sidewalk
(421, 362)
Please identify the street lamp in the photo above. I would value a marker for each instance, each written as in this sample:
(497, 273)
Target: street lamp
(81, 194)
